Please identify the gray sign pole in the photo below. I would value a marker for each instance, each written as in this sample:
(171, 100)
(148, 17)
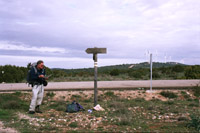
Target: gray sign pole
(151, 72)
(95, 51)
(95, 80)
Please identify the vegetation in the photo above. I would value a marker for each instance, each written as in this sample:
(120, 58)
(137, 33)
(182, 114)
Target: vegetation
(195, 122)
(120, 115)
(14, 74)
(168, 94)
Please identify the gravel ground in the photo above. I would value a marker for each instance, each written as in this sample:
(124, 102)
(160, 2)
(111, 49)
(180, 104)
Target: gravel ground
(3, 129)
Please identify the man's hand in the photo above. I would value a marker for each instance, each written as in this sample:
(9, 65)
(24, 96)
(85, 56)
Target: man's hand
(41, 76)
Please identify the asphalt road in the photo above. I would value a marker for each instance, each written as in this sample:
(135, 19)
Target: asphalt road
(88, 85)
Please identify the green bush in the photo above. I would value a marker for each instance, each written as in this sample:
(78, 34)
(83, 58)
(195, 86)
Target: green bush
(193, 72)
(155, 75)
(114, 72)
(178, 68)
(110, 93)
(135, 74)
(73, 125)
(50, 94)
(168, 94)
(195, 122)
(196, 91)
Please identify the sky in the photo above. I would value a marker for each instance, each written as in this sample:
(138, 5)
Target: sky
(59, 31)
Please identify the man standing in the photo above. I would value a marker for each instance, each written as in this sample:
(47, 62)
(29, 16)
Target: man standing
(38, 77)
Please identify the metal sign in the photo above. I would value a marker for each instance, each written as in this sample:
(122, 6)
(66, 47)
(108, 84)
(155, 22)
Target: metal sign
(95, 51)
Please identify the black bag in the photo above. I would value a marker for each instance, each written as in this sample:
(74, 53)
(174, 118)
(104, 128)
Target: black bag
(45, 83)
(74, 107)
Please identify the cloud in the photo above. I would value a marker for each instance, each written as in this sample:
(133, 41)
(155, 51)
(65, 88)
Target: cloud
(5, 45)
(125, 27)
(63, 62)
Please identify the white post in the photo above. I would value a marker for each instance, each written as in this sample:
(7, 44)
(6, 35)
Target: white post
(151, 72)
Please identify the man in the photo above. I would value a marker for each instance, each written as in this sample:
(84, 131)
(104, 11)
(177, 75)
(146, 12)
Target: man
(38, 78)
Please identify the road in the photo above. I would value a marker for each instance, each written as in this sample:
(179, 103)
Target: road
(88, 85)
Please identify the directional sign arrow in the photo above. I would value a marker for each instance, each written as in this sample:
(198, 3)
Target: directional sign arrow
(95, 50)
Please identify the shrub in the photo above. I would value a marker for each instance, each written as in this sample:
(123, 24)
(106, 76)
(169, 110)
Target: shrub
(196, 91)
(135, 74)
(50, 94)
(193, 72)
(114, 72)
(195, 122)
(155, 75)
(168, 94)
(110, 93)
(11, 105)
(169, 102)
(73, 124)
(182, 119)
(178, 68)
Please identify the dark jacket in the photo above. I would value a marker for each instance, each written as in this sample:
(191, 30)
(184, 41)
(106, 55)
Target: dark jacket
(35, 75)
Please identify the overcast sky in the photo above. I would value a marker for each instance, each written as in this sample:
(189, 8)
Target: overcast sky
(59, 31)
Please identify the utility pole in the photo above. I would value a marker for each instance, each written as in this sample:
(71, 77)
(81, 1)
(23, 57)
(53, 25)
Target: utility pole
(151, 72)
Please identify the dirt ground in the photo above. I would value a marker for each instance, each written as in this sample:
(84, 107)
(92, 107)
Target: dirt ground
(66, 95)
(4, 129)
(129, 94)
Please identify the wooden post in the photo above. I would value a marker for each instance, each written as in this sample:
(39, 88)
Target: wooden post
(95, 80)
(95, 51)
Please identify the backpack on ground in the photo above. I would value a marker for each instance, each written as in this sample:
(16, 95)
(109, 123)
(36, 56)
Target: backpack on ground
(74, 107)
(29, 79)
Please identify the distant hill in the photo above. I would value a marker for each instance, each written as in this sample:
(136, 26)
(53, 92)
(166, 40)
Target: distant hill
(142, 65)
(126, 66)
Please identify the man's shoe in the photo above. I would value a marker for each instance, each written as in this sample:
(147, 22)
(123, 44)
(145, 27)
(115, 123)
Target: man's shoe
(37, 109)
(31, 112)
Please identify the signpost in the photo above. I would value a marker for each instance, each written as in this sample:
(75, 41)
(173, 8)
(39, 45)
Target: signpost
(95, 51)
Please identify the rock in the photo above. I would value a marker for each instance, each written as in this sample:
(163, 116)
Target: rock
(99, 119)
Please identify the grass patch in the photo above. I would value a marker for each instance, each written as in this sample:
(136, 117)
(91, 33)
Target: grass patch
(109, 94)
(6, 114)
(12, 101)
(59, 106)
(195, 122)
(196, 91)
(168, 94)
(50, 94)
(73, 125)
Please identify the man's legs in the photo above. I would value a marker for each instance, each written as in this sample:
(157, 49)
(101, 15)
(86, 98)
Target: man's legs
(40, 95)
(39, 99)
(35, 91)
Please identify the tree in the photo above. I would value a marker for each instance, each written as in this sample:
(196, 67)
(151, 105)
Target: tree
(178, 68)
(193, 72)
(114, 72)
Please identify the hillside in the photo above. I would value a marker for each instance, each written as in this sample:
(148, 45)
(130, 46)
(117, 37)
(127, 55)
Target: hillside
(126, 66)
(140, 71)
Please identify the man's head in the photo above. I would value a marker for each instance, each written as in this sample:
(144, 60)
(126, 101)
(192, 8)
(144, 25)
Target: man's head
(40, 64)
